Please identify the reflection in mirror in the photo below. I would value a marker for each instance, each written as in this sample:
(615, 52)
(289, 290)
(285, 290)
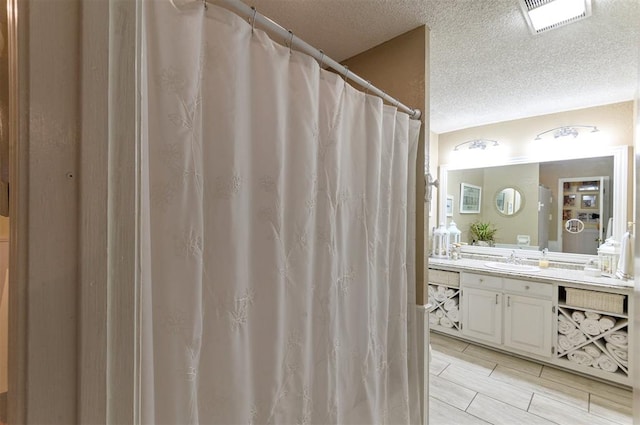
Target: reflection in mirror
(538, 221)
(509, 201)
(574, 225)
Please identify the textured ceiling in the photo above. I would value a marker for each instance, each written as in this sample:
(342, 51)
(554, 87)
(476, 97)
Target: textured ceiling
(486, 66)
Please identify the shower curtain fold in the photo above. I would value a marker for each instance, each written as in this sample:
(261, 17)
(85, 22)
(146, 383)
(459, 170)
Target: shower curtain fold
(277, 234)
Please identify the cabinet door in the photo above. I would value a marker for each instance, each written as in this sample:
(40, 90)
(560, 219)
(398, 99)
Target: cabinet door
(482, 314)
(527, 324)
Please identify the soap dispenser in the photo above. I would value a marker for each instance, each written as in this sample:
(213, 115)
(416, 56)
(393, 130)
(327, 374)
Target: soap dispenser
(543, 263)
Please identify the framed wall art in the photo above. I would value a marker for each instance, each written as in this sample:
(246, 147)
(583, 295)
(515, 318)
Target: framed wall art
(449, 206)
(470, 198)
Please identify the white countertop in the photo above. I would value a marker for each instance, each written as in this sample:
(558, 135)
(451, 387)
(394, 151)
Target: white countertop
(550, 274)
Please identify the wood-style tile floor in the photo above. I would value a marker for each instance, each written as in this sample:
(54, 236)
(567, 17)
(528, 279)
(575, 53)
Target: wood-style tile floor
(470, 384)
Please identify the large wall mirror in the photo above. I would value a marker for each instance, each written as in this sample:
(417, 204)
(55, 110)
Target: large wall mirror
(530, 202)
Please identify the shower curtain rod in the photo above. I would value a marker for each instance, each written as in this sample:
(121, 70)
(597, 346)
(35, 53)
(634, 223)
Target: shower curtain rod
(254, 17)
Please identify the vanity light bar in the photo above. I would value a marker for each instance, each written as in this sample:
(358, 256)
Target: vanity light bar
(477, 144)
(568, 130)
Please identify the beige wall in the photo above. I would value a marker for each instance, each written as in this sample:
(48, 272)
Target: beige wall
(474, 177)
(4, 309)
(516, 137)
(4, 227)
(399, 67)
(526, 181)
(4, 94)
(396, 67)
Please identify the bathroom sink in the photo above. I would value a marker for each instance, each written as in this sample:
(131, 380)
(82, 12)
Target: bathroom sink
(512, 267)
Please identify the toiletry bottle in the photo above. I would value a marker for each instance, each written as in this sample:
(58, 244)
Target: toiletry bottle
(543, 263)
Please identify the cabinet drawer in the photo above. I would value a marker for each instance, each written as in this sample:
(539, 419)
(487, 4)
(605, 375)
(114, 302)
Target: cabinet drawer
(442, 277)
(528, 288)
(481, 280)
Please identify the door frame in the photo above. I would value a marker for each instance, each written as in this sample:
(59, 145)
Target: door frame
(73, 304)
(604, 180)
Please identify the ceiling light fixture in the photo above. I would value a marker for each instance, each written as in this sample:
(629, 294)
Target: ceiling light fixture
(569, 130)
(477, 144)
(545, 15)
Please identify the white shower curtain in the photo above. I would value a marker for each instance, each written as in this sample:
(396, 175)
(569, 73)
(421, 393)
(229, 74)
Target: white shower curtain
(277, 234)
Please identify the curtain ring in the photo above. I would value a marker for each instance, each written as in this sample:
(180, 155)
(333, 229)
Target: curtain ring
(290, 40)
(346, 72)
(321, 58)
(253, 18)
(204, 2)
(366, 89)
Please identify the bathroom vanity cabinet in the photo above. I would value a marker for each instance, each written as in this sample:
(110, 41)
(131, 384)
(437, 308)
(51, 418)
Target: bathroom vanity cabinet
(530, 315)
(482, 315)
(513, 313)
(614, 359)
(444, 296)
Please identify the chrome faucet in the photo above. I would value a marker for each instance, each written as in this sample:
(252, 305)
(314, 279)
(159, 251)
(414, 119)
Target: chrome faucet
(513, 258)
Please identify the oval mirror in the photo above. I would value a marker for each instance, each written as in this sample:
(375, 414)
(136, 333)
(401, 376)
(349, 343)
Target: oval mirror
(574, 225)
(509, 201)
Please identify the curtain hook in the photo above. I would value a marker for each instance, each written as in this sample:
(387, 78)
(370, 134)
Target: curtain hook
(253, 18)
(366, 89)
(321, 58)
(290, 40)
